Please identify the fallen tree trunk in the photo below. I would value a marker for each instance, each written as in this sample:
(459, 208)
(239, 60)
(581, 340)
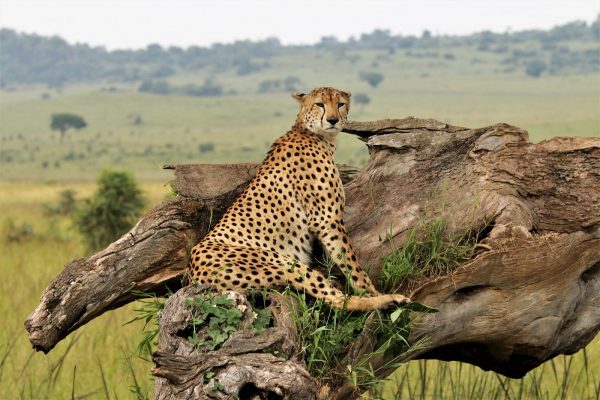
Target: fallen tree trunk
(534, 292)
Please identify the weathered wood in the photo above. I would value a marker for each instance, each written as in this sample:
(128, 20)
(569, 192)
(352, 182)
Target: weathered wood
(533, 295)
(240, 365)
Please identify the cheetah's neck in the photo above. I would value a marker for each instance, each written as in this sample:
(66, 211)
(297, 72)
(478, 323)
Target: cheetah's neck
(329, 137)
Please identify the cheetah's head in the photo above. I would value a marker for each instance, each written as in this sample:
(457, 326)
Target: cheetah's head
(323, 111)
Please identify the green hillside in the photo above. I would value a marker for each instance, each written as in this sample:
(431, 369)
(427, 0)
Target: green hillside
(214, 111)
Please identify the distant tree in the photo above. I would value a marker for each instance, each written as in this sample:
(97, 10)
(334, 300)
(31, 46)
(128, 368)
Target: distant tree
(361, 99)
(208, 88)
(157, 87)
(64, 121)
(111, 211)
(292, 83)
(162, 71)
(535, 68)
(372, 78)
(206, 147)
(66, 204)
(269, 85)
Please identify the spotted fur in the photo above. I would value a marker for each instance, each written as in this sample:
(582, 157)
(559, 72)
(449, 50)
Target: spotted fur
(264, 239)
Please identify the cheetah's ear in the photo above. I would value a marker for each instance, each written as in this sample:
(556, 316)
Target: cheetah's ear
(346, 93)
(299, 97)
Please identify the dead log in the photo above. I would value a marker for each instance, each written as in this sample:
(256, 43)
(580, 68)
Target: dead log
(534, 292)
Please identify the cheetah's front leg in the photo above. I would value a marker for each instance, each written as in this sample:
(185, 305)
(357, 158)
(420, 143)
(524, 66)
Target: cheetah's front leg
(335, 241)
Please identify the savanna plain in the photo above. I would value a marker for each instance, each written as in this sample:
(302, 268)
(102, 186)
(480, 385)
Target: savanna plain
(141, 131)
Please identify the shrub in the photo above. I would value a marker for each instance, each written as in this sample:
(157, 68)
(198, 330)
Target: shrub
(206, 147)
(535, 68)
(111, 211)
(361, 99)
(372, 78)
(13, 232)
(66, 204)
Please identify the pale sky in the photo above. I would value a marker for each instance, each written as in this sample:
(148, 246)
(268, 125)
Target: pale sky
(137, 23)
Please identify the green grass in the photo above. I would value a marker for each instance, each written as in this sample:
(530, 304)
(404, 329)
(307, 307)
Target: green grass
(428, 251)
(564, 377)
(102, 351)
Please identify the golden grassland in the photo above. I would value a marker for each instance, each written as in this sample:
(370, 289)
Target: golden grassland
(98, 351)
(99, 360)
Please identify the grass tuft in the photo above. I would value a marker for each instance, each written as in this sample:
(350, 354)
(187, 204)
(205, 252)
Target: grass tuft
(428, 251)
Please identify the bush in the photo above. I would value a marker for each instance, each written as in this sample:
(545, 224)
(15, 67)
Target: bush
(65, 206)
(111, 211)
(206, 147)
(361, 99)
(449, 56)
(208, 88)
(535, 68)
(156, 87)
(372, 78)
(13, 232)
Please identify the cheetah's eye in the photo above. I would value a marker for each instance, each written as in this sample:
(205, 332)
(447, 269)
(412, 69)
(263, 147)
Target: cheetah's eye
(340, 105)
(320, 105)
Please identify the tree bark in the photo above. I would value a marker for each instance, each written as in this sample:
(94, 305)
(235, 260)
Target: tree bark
(530, 292)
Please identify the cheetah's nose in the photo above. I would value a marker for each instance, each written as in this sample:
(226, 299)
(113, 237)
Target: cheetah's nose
(332, 120)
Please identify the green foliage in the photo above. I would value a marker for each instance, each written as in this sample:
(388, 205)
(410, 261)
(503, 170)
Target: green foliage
(207, 147)
(325, 335)
(263, 319)
(147, 310)
(66, 204)
(135, 388)
(427, 251)
(15, 232)
(289, 84)
(53, 61)
(207, 89)
(156, 87)
(215, 318)
(372, 78)
(111, 211)
(535, 68)
(361, 99)
(218, 314)
(63, 121)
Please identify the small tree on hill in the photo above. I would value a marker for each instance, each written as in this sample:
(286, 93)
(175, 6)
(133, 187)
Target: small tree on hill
(111, 211)
(535, 68)
(64, 121)
(372, 78)
(361, 100)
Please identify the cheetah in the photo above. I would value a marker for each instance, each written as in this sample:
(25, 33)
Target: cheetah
(265, 238)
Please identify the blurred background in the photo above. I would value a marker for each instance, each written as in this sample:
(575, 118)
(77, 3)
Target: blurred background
(133, 85)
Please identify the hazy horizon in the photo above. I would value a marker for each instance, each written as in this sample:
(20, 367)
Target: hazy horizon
(134, 25)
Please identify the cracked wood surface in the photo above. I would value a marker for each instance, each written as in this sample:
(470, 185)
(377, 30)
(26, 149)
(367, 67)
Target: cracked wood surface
(533, 296)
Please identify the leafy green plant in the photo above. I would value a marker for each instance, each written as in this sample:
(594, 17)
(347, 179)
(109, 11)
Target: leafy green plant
(147, 312)
(15, 232)
(218, 313)
(111, 211)
(427, 251)
(325, 334)
(66, 204)
(220, 318)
